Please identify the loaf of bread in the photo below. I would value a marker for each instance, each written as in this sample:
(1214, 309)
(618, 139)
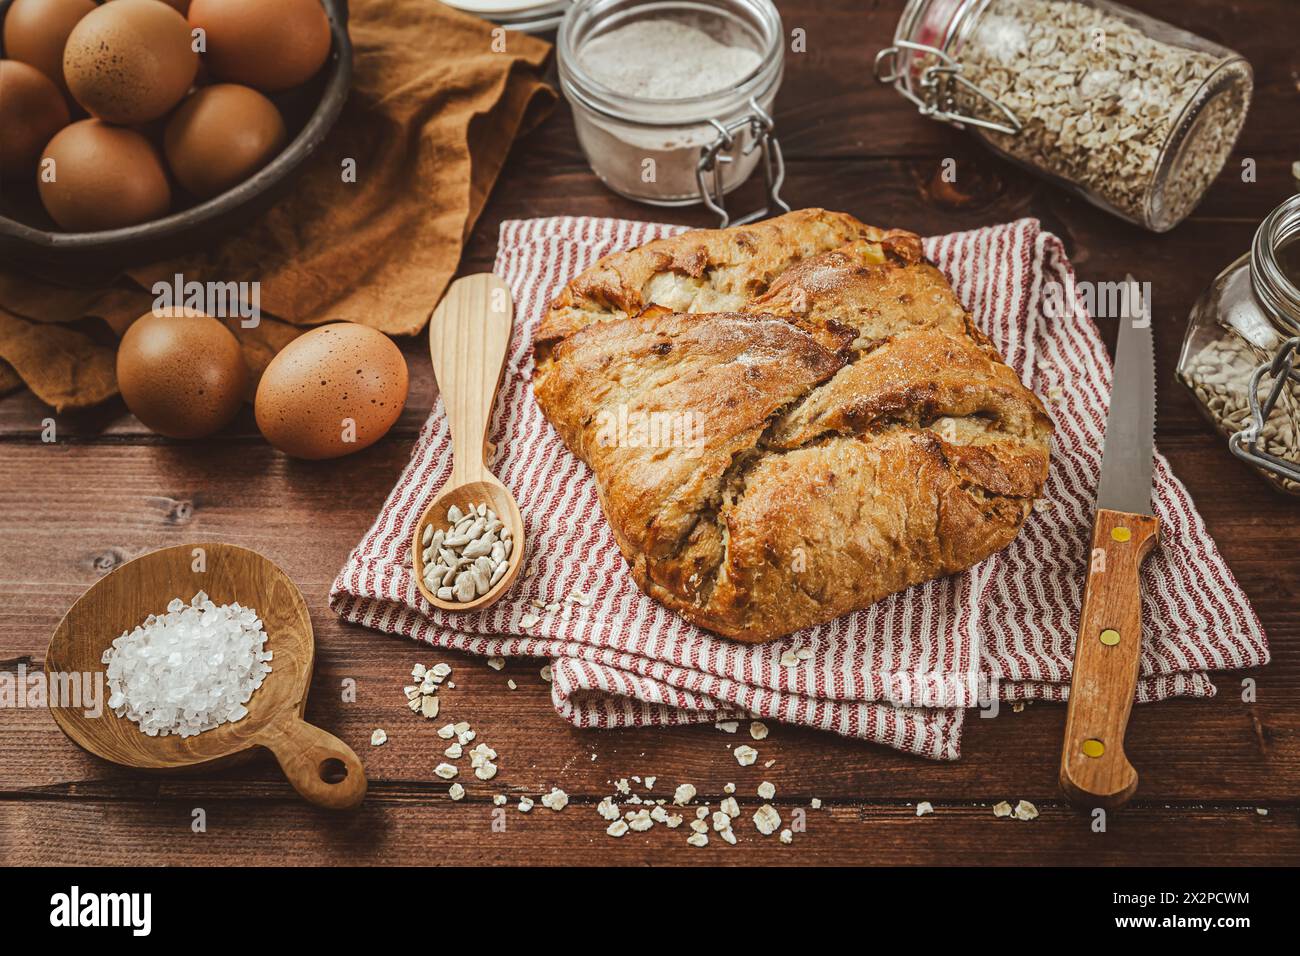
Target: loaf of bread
(788, 421)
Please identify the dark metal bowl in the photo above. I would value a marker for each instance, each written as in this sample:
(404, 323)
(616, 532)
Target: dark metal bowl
(31, 242)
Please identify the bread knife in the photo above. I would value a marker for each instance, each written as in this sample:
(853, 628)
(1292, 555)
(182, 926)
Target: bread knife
(1094, 769)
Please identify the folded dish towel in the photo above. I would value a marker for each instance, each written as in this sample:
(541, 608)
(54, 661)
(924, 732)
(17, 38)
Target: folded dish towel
(899, 673)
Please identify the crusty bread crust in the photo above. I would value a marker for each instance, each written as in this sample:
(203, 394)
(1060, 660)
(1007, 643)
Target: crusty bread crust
(815, 423)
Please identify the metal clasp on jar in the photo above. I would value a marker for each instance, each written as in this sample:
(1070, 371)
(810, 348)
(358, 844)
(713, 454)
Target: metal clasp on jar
(937, 82)
(1247, 444)
(716, 154)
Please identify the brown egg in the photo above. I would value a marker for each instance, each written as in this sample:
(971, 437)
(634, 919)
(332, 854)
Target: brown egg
(130, 61)
(220, 136)
(270, 46)
(31, 111)
(36, 31)
(103, 177)
(181, 373)
(332, 391)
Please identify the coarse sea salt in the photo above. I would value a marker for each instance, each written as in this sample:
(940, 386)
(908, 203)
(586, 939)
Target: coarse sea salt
(189, 670)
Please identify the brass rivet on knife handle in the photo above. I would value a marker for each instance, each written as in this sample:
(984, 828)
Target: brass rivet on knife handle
(1094, 769)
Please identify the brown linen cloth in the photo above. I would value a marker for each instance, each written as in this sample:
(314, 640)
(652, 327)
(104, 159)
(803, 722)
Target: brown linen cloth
(438, 97)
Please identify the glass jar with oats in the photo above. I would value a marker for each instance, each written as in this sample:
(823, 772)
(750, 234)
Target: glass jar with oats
(1135, 115)
(1241, 356)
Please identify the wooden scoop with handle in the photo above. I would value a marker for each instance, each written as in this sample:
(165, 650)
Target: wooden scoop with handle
(469, 336)
(322, 768)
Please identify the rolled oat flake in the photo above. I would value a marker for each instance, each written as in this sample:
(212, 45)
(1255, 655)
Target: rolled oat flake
(1135, 115)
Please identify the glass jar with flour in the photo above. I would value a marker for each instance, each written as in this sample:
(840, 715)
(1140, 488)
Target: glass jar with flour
(672, 99)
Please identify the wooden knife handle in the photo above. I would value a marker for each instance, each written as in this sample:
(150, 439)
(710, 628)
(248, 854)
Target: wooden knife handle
(1094, 770)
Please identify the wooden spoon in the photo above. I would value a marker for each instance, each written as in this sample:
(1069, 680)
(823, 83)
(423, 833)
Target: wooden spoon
(469, 336)
(320, 766)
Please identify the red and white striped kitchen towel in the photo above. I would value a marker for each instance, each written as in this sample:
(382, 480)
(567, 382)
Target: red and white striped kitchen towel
(899, 672)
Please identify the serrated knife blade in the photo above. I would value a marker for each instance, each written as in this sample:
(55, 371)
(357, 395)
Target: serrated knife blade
(1094, 770)
(1130, 427)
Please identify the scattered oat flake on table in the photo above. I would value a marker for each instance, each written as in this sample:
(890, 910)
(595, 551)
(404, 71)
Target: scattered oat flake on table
(767, 790)
(414, 704)
(429, 707)
(441, 670)
(674, 821)
(640, 821)
(745, 755)
(816, 803)
(496, 663)
(1262, 811)
(546, 673)
(1025, 811)
(379, 738)
(727, 726)
(786, 837)
(923, 808)
(658, 814)
(411, 691)
(729, 788)
(446, 733)
(730, 807)
(729, 835)
(650, 782)
(622, 786)
(557, 799)
(701, 812)
(525, 804)
(445, 770)
(418, 671)
(454, 752)
(767, 764)
(616, 829)
(485, 771)
(499, 800)
(758, 730)
(1002, 809)
(683, 795)
(512, 685)
(456, 791)
(766, 820)
(608, 809)
(698, 839)
(789, 659)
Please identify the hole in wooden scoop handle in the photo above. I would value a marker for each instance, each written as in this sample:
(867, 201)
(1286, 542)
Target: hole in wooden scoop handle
(1094, 769)
(322, 768)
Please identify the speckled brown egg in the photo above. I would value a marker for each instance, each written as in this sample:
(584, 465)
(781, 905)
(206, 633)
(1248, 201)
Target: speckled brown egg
(220, 136)
(130, 61)
(270, 46)
(104, 177)
(32, 110)
(36, 31)
(333, 391)
(181, 373)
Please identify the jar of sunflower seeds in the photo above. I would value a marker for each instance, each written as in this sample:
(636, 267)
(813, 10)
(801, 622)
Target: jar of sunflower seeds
(1135, 115)
(1240, 354)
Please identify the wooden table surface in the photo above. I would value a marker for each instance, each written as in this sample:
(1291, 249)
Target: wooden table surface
(108, 490)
